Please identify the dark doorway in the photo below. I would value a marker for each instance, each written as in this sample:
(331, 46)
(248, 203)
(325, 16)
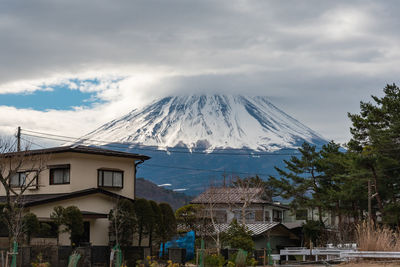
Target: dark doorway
(85, 239)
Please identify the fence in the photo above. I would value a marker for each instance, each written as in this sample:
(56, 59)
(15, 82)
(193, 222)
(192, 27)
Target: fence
(316, 253)
(92, 256)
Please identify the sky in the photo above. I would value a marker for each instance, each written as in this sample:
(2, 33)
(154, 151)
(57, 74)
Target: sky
(69, 66)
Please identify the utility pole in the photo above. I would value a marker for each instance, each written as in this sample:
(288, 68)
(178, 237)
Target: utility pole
(19, 139)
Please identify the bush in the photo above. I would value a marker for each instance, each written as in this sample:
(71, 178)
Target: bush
(238, 236)
(214, 260)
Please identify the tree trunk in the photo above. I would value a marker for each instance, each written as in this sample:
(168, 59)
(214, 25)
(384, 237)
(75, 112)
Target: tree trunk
(378, 197)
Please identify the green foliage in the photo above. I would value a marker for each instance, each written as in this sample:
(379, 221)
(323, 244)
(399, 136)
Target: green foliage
(238, 236)
(188, 216)
(375, 141)
(214, 260)
(73, 221)
(31, 225)
(122, 223)
(167, 224)
(144, 216)
(312, 230)
(45, 230)
(57, 217)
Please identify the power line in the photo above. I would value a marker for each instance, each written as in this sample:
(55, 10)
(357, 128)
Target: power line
(151, 148)
(206, 170)
(76, 139)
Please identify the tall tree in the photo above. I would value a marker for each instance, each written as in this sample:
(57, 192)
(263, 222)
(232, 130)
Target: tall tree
(144, 217)
(167, 224)
(154, 222)
(57, 216)
(375, 138)
(73, 221)
(122, 223)
(300, 180)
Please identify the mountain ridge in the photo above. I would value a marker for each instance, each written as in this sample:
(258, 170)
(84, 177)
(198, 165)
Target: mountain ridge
(209, 122)
(194, 140)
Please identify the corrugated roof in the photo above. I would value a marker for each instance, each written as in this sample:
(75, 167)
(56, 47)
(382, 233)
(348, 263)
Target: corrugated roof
(255, 228)
(79, 149)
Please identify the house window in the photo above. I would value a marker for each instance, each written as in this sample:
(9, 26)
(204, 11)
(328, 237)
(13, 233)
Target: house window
(110, 178)
(59, 174)
(18, 179)
(301, 214)
(250, 216)
(277, 216)
(221, 216)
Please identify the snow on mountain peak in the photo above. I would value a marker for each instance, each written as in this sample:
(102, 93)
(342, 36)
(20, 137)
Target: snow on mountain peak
(208, 122)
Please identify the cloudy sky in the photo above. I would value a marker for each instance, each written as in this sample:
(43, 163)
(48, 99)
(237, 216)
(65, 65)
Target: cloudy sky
(68, 66)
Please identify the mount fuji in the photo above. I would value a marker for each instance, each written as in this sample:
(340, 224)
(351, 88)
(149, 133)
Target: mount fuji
(194, 140)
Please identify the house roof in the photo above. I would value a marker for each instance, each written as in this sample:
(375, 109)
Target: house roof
(255, 228)
(232, 195)
(39, 199)
(78, 149)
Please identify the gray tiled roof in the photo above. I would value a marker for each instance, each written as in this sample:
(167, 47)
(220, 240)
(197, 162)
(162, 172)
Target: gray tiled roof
(230, 195)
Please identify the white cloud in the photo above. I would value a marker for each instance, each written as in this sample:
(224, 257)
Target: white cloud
(315, 59)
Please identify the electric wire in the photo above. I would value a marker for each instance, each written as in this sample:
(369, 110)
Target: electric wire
(149, 148)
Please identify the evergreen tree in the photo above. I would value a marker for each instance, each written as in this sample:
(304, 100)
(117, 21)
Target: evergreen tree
(375, 139)
(167, 224)
(73, 221)
(144, 217)
(300, 180)
(189, 216)
(238, 236)
(154, 222)
(31, 225)
(122, 223)
(57, 217)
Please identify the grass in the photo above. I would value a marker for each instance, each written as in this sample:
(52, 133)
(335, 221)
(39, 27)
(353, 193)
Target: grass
(372, 237)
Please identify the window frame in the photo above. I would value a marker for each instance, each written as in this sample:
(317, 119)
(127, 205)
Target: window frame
(278, 218)
(101, 177)
(52, 168)
(19, 180)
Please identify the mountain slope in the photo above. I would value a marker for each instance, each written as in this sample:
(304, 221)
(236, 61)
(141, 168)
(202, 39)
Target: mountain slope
(148, 190)
(193, 141)
(209, 122)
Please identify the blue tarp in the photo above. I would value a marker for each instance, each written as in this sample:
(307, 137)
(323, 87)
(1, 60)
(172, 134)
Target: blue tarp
(186, 241)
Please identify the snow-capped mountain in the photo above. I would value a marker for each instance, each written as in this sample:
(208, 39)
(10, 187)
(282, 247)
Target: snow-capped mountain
(209, 122)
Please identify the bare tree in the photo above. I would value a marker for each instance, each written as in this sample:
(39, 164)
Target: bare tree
(19, 170)
(248, 191)
(209, 221)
